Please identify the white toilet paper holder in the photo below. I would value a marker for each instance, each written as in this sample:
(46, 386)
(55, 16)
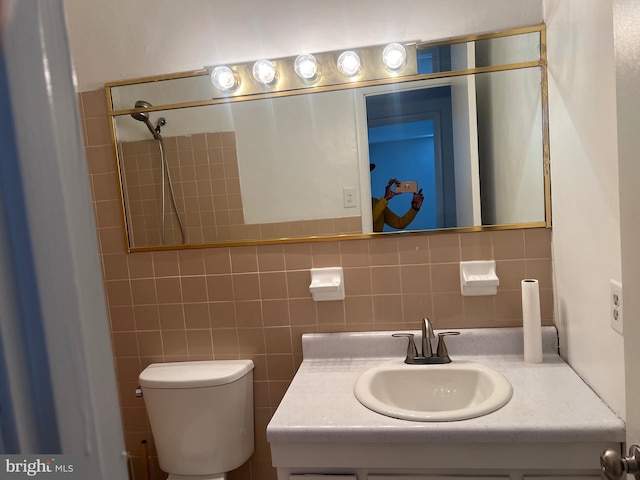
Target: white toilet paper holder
(478, 278)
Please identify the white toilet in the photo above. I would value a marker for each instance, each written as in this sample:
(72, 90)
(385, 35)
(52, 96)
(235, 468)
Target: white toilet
(201, 416)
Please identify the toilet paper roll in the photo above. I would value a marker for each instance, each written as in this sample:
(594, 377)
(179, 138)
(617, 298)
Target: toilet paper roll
(531, 321)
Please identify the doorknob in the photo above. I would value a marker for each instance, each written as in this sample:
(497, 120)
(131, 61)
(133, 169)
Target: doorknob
(614, 466)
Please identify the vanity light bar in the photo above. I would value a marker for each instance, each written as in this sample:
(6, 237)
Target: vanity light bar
(314, 70)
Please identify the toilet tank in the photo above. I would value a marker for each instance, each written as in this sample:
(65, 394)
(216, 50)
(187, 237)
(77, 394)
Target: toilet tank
(201, 414)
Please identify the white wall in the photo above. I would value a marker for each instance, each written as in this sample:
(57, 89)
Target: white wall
(511, 173)
(120, 39)
(585, 194)
(309, 154)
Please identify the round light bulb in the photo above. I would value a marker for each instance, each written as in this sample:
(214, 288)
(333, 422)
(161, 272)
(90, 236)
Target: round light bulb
(394, 56)
(306, 66)
(264, 72)
(349, 63)
(223, 78)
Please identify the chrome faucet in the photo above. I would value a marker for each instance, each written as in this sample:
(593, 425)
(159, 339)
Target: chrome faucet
(427, 356)
(427, 335)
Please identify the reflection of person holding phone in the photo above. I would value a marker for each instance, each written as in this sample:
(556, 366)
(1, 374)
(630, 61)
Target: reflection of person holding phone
(382, 214)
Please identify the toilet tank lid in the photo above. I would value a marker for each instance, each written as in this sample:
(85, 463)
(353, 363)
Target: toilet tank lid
(194, 374)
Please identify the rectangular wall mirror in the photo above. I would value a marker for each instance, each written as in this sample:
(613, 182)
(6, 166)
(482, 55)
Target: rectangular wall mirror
(463, 130)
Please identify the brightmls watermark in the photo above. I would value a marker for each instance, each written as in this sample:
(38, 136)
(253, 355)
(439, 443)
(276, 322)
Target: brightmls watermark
(44, 467)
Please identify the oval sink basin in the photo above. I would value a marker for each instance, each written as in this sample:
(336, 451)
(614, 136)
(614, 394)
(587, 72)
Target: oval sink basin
(432, 393)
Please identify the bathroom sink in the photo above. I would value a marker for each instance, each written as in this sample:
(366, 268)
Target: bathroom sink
(432, 393)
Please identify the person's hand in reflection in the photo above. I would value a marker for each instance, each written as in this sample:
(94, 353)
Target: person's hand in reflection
(382, 214)
(389, 191)
(416, 201)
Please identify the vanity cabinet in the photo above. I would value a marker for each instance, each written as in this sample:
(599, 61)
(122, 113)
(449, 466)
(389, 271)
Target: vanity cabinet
(437, 477)
(561, 477)
(441, 462)
(513, 476)
(553, 428)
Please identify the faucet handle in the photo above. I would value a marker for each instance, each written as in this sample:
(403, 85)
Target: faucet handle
(412, 351)
(442, 347)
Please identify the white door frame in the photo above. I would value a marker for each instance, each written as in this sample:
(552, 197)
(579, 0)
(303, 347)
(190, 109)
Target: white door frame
(61, 229)
(626, 28)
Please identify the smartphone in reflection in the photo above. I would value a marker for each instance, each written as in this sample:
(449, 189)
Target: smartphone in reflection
(407, 187)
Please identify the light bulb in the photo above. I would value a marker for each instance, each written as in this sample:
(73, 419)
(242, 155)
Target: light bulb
(349, 63)
(223, 78)
(306, 66)
(264, 72)
(394, 55)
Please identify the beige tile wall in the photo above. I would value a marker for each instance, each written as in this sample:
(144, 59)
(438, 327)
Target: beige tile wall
(204, 179)
(253, 302)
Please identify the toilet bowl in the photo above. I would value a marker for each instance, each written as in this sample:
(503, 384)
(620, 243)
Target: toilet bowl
(201, 416)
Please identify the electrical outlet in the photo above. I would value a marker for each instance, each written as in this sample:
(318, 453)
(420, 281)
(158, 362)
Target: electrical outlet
(615, 307)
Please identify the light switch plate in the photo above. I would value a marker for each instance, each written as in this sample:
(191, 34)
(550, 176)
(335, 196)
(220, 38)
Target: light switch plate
(350, 197)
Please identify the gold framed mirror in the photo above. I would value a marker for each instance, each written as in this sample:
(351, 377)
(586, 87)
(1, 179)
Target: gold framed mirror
(304, 159)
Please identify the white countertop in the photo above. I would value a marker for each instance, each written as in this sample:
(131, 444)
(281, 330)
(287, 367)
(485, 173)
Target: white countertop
(550, 401)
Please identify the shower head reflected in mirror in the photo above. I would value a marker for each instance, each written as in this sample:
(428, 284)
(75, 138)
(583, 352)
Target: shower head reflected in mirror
(141, 116)
(165, 172)
(144, 117)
